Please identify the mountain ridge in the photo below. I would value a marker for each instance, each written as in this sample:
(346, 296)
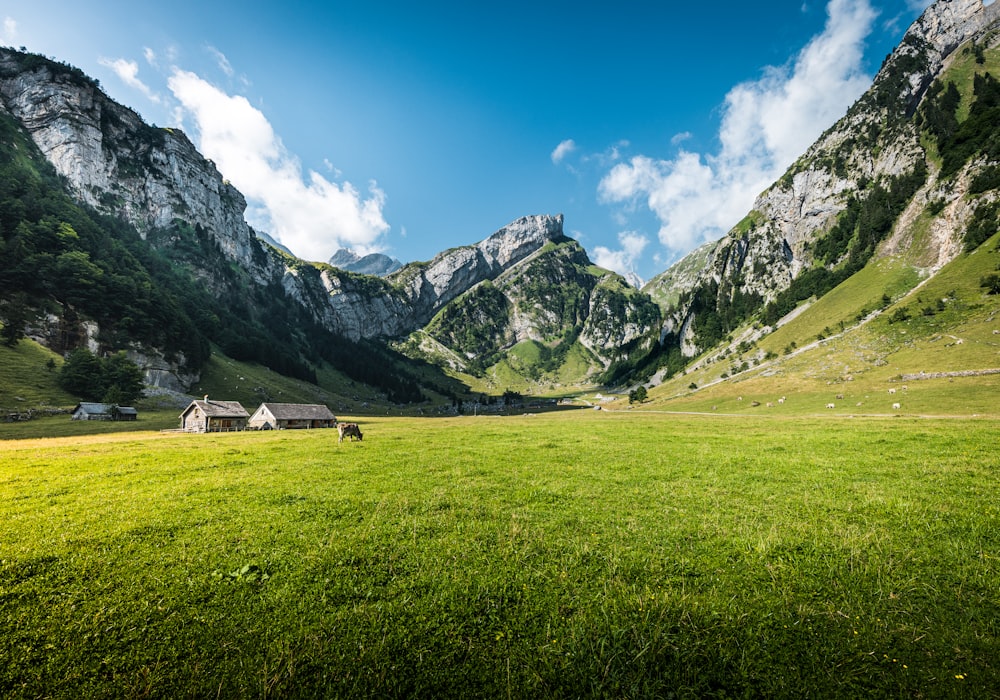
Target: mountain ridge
(179, 204)
(874, 153)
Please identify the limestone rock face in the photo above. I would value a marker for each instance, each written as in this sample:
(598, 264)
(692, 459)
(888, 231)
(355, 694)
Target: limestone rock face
(554, 298)
(947, 24)
(119, 165)
(452, 272)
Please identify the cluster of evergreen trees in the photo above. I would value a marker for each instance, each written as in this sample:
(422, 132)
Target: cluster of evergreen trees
(113, 379)
(58, 257)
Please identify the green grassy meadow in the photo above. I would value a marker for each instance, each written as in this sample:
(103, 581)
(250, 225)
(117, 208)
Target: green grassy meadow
(572, 554)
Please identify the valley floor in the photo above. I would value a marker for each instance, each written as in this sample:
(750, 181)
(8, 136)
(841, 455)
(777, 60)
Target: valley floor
(568, 554)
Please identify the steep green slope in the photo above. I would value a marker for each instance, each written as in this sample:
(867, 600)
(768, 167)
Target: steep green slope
(28, 379)
(936, 346)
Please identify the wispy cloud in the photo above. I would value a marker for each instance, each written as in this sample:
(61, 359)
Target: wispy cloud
(128, 72)
(9, 30)
(222, 61)
(562, 150)
(766, 124)
(678, 139)
(623, 261)
(306, 212)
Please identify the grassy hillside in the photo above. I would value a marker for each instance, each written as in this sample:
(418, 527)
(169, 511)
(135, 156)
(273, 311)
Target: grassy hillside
(28, 378)
(945, 324)
(624, 555)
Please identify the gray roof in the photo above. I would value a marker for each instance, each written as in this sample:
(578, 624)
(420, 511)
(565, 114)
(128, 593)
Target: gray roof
(219, 409)
(298, 411)
(93, 408)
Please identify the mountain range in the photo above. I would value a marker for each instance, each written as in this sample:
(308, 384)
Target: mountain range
(119, 235)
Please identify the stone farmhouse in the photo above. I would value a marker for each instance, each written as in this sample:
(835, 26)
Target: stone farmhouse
(282, 416)
(205, 416)
(86, 410)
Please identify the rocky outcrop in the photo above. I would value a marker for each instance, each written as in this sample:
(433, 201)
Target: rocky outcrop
(449, 274)
(554, 298)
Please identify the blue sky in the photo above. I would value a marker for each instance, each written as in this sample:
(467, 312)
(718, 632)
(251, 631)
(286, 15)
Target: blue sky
(410, 128)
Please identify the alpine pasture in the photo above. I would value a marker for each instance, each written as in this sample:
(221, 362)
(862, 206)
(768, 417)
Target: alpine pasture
(572, 554)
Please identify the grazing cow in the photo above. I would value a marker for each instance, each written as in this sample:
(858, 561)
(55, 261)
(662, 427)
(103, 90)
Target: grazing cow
(755, 403)
(350, 430)
(770, 405)
(892, 391)
(830, 405)
(896, 407)
(781, 400)
(840, 397)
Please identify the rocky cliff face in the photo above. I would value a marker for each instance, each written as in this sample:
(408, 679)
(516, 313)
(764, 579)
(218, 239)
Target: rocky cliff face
(361, 306)
(119, 165)
(876, 142)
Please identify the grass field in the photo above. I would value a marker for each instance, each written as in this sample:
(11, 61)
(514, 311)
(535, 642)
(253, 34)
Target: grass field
(570, 554)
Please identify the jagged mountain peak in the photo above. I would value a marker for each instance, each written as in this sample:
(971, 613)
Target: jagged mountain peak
(377, 264)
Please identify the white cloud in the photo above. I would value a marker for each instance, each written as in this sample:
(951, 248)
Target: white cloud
(766, 125)
(9, 29)
(623, 260)
(562, 150)
(309, 214)
(128, 72)
(150, 56)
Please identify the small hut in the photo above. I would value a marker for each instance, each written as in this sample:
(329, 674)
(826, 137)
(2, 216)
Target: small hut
(124, 413)
(286, 416)
(214, 416)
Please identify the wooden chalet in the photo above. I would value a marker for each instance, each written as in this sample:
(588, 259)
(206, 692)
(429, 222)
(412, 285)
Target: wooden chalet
(285, 416)
(206, 416)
